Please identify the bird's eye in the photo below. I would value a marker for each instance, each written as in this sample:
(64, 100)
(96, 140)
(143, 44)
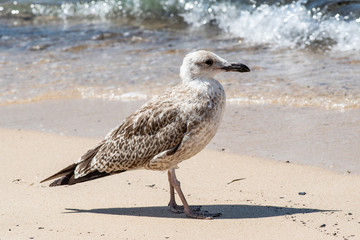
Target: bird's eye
(209, 62)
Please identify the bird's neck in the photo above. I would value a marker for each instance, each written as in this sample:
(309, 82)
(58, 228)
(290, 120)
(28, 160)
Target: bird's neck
(200, 82)
(205, 86)
(197, 79)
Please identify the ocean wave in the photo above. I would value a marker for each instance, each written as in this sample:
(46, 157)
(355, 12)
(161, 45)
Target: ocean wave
(316, 24)
(291, 25)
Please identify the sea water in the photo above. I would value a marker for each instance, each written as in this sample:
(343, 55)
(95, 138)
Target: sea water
(301, 53)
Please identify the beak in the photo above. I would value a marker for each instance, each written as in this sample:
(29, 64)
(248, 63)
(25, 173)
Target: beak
(235, 67)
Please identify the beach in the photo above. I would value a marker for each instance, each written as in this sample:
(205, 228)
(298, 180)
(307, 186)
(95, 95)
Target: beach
(259, 197)
(284, 163)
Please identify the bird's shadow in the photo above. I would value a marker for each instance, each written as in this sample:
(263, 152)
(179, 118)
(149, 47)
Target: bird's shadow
(228, 211)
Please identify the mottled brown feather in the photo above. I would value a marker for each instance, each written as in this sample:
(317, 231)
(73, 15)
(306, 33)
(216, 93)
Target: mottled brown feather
(154, 128)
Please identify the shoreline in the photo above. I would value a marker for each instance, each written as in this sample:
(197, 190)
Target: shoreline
(311, 136)
(257, 197)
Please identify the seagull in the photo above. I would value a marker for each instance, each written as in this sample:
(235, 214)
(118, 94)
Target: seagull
(165, 131)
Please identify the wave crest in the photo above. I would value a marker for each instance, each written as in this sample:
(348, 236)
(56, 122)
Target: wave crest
(298, 24)
(291, 25)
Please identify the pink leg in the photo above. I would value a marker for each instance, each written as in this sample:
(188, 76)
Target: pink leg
(172, 204)
(175, 184)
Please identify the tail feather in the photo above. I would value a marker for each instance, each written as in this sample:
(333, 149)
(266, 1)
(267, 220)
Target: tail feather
(61, 181)
(69, 169)
(67, 175)
(70, 179)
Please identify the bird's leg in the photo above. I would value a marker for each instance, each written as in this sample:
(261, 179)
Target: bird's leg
(175, 184)
(172, 204)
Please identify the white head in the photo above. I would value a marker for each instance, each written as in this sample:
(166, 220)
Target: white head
(205, 65)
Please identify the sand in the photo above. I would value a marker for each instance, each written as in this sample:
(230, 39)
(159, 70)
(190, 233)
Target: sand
(259, 198)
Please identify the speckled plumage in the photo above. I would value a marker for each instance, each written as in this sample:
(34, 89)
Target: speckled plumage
(183, 120)
(165, 131)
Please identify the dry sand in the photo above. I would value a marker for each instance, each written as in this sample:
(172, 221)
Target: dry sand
(259, 198)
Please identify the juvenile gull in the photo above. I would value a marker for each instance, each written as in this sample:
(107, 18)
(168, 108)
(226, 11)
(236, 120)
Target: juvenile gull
(165, 131)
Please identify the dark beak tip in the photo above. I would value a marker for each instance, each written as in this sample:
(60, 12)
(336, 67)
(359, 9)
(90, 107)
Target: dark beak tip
(237, 67)
(246, 69)
(243, 68)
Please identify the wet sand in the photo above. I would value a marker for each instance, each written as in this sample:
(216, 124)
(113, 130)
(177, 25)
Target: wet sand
(326, 138)
(259, 198)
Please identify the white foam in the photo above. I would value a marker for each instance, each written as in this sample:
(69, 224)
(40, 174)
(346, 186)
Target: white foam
(110, 94)
(290, 25)
(322, 102)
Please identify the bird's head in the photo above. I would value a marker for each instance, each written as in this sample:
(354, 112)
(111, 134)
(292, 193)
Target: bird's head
(204, 65)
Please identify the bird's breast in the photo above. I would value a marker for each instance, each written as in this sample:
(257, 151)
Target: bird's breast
(201, 110)
(204, 117)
